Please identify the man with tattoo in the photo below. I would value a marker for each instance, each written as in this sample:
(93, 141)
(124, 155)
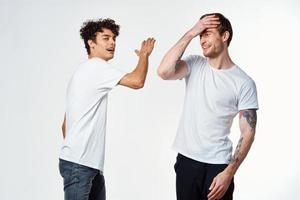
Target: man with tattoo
(84, 128)
(216, 91)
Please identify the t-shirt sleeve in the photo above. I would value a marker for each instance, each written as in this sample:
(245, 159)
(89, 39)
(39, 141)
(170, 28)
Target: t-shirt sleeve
(108, 77)
(248, 96)
(192, 61)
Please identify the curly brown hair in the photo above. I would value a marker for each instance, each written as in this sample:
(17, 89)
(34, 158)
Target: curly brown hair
(90, 28)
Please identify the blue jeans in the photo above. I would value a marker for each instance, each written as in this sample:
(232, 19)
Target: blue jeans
(81, 182)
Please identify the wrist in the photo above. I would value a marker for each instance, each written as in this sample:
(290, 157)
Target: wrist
(191, 34)
(230, 170)
(143, 55)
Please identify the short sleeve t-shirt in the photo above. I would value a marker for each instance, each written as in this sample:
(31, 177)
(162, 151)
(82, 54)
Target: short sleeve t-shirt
(86, 108)
(213, 98)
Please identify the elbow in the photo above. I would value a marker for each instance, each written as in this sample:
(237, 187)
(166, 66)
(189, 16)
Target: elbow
(139, 84)
(162, 74)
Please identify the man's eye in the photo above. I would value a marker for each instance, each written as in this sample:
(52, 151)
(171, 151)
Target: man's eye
(105, 38)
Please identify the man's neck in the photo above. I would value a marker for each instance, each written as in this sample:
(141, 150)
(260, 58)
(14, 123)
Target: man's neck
(95, 56)
(222, 61)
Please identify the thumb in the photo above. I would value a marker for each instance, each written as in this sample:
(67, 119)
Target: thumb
(137, 52)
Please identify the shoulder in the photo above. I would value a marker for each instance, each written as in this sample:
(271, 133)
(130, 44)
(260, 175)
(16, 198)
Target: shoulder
(193, 59)
(242, 77)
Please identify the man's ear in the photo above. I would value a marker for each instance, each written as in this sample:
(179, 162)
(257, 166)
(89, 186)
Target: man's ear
(91, 43)
(225, 36)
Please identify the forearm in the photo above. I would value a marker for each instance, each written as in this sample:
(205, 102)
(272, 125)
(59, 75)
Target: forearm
(241, 152)
(168, 64)
(141, 70)
(247, 121)
(136, 79)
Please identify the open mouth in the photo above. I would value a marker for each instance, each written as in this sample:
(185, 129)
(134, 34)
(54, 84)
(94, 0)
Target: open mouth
(112, 50)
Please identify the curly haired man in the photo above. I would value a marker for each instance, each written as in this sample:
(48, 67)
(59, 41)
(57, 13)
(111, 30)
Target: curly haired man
(82, 153)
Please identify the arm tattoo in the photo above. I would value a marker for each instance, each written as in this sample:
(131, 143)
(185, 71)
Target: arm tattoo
(251, 117)
(235, 158)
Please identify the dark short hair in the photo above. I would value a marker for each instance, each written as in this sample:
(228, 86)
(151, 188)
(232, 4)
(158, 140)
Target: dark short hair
(90, 28)
(224, 26)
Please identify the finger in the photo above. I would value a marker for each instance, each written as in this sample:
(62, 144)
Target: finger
(216, 195)
(137, 52)
(149, 41)
(221, 194)
(153, 42)
(211, 22)
(212, 193)
(146, 42)
(210, 26)
(212, 185)
(209, 16)
(211, 19)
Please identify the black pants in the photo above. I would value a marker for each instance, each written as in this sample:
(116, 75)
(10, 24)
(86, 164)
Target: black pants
(194, 178)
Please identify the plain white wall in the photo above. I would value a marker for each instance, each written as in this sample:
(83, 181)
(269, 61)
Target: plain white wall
(40, 46)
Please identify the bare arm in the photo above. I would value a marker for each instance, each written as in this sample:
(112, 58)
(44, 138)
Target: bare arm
(136, 79)
(247, 121)
(171, 67)
(220, 184)
(63, 127)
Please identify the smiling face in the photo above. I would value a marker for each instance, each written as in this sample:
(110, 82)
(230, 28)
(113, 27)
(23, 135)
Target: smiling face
(212, 42)
(104, 45)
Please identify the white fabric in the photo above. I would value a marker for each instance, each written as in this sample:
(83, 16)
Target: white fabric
(213, 98)
(86, 107)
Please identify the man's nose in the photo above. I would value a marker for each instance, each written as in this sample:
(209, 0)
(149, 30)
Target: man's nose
(202, 41)
(112, 41)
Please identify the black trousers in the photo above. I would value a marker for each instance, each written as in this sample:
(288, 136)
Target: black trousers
(193, 179)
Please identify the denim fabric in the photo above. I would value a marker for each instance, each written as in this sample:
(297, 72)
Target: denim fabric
(81, 182)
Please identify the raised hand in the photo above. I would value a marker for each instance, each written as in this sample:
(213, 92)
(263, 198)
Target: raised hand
(146, 47)
(210, 21)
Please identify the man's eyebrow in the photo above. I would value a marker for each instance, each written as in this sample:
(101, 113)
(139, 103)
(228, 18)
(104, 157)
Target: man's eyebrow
(107, 35)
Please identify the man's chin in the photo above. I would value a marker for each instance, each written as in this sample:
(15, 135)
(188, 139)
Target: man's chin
(109, 57)
(209, 54)
(206, 54)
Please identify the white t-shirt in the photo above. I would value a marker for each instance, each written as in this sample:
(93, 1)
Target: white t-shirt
(213, 98)
(86, 107)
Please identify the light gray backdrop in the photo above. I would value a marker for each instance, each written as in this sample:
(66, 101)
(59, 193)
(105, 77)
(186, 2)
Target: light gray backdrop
(40, 47)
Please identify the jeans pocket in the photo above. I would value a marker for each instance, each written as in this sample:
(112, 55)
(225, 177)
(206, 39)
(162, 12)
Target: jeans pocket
(67, 171)
(65, 168)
